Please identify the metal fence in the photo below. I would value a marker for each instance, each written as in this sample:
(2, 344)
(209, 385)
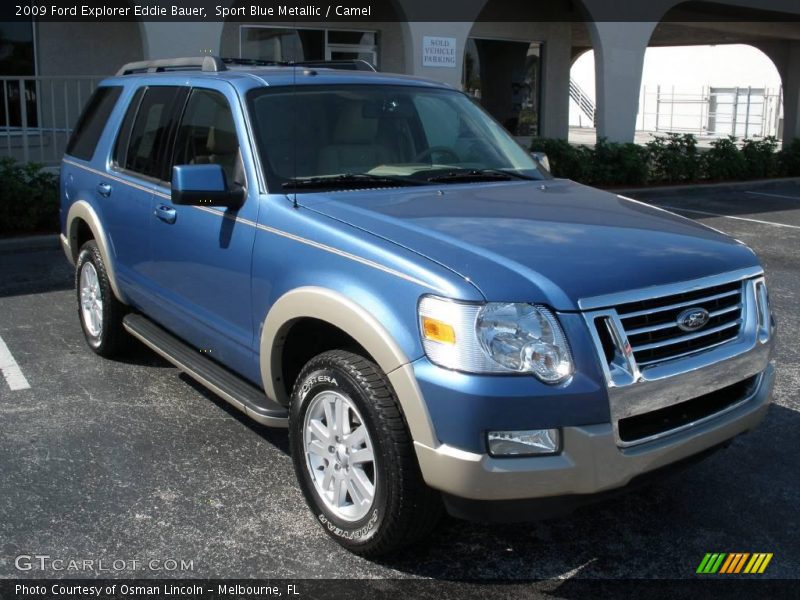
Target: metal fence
(37, 115)
(711, 111)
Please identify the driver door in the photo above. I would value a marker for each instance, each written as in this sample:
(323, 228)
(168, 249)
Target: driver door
(201, 256)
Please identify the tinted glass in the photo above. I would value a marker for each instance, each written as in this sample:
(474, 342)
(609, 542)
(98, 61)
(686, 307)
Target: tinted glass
(149, 141)
(92, 121)
(121, 145)
(207, 135)
(403, 132)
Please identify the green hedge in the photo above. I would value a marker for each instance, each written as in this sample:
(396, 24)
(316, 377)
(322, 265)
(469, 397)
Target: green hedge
(670, 159)
(28, 198)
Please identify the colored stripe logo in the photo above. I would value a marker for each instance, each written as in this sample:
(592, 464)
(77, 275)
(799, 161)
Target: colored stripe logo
(734, 563)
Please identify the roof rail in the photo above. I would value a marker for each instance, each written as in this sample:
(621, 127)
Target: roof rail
(358, 64)
(211, 64)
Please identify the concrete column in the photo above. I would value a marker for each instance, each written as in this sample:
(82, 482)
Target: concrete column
(414, 34)
(619, 55)
(554, 117)
(171, 40)
(791, 93)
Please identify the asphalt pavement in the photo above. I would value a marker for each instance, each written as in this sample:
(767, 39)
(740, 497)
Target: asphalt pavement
(129, 460)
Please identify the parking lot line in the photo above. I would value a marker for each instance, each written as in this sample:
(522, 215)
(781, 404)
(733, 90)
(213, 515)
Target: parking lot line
(711, 214)
(11, 371)
(773, 195)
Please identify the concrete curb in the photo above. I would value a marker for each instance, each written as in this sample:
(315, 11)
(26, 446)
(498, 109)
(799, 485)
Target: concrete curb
(29, 242)
(733, 186)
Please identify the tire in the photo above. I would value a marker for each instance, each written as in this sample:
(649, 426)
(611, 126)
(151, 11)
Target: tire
(403, 509)
(103, 329)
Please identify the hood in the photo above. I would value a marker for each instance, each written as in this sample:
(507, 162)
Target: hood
(554, 242)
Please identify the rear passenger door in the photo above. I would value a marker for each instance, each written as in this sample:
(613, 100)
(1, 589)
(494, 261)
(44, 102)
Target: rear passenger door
(201, 256)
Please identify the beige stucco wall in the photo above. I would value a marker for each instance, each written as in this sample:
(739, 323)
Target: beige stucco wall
(87, 48)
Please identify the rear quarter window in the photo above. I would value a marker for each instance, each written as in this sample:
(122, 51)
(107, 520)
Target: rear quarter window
(83, 141)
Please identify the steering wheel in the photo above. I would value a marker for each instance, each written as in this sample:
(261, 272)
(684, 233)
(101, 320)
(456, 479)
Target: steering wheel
(433, 150)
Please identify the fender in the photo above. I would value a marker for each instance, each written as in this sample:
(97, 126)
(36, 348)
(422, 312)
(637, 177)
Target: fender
(334, 308)
(81, 209)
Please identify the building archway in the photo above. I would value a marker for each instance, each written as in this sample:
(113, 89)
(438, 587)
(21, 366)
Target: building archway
(620, 49)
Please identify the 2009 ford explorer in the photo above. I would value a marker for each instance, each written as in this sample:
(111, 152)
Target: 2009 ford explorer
(372, 261)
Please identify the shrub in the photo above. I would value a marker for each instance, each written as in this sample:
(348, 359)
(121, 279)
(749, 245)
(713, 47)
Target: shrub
(789, 159)
(566, 160)
(724, 161)
(29, 201)
(618, 164)
(674, 158)
(760, 158)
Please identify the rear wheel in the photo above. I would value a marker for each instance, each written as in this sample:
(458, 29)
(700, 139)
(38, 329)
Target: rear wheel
(354, 457)
(100, 311)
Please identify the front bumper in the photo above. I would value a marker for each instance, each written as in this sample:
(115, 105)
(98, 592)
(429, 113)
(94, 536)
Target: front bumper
(591, 461)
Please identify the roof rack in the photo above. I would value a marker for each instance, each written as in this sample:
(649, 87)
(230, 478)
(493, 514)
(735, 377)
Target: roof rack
(214, 64)
(358, 64)
(211, 64)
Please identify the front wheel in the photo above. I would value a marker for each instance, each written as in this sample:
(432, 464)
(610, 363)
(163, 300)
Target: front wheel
(354, 457)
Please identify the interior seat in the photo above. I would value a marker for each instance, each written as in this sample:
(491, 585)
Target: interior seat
(354, 146)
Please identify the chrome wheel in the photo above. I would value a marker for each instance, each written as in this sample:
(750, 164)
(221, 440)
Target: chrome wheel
(91, 300)
(339, 455)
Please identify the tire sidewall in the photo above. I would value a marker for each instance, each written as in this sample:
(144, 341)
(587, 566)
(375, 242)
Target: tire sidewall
(90, 254)
(327, 377)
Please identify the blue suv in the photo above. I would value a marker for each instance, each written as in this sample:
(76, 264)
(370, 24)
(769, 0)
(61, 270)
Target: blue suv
(373, 262)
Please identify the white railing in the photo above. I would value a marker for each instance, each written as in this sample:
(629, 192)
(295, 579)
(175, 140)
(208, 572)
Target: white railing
(582, 100)
(37, 115)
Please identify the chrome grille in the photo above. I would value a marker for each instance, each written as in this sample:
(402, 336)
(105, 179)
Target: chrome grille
(651, 325)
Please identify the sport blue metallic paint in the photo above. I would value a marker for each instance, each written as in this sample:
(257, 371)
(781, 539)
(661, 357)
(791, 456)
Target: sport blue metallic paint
(553, 242)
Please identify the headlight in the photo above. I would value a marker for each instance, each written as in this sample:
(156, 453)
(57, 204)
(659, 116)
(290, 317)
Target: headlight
(494, 338)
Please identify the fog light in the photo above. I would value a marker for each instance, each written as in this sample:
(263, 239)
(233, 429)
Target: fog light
(523, 443)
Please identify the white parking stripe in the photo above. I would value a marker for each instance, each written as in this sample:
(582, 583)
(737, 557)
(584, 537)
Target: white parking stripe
(11, 371)
(773, 195)
(711, 214)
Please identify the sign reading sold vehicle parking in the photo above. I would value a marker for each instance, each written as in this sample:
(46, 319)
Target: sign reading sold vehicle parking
(438, 52)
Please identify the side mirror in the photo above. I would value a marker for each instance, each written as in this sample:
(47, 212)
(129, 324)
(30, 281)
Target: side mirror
(541, 158)
(204, 185)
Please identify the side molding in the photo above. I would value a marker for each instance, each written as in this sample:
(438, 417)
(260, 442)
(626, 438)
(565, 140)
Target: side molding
(334, 308)
(83, 210)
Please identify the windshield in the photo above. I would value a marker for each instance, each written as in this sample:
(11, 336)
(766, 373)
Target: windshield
(316, 137)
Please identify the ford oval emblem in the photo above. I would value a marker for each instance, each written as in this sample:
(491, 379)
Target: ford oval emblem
(692, 319)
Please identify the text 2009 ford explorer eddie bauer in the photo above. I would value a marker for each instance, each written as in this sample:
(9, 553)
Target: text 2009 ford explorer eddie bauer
(373, 261)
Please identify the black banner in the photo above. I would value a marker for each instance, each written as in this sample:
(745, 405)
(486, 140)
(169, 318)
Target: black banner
(390, 589)
(372, 11)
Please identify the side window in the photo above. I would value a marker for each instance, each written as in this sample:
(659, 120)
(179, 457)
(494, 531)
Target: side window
(92, 121)
(144, 146)
(207, 135)
(121, 145)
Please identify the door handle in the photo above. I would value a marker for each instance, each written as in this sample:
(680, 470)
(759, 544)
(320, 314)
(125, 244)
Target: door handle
(104, 189)
(166, 213)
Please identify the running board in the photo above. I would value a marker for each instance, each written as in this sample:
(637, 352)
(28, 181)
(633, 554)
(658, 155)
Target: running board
(228, 386)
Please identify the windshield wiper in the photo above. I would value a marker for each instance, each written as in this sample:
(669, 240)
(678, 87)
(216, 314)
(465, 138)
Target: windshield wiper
(349, 181)
(478, 175)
